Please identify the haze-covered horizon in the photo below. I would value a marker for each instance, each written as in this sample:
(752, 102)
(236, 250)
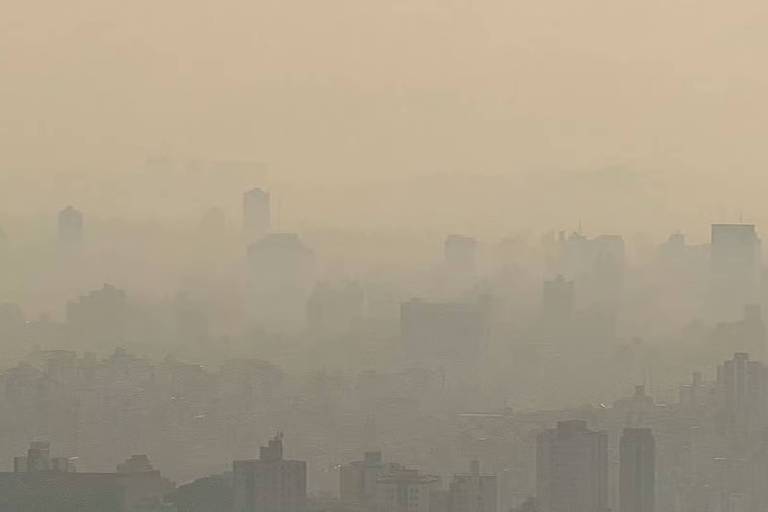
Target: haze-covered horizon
(550, 110)
(383, 256)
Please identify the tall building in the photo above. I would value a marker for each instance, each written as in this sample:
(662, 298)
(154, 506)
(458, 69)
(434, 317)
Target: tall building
(637, 408)
(473, 491)
(70, 226)
(100, 316)
(40, 482)
(38, 458)
(270, 483)
(281, 276)
(674, 248)
(357, 480)
(744, 335)
(456, 276)
(735, 267)
(693, 395)
(443, 330)
(460, 252)
(742, 395)
(405, 490)
(597, 266)
(637, 471)
(757, 475)
(335, 308)
(572, 469)
(557, 301)
(257, 214)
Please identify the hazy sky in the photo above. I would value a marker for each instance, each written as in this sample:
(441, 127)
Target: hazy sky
(658, 105)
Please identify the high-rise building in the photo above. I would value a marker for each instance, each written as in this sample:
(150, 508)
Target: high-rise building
(99, 316)
(473, 491)
(637, 471)
(597, 266)
(70, 226)
(257, 214)
(39, 482)
(557, 301)
(281, 276)
(357, 480)
(443, 330)
(460, 252)
(572, 469)
(456, 276)
(693, 395)
(405, 490)
(757, 475)
(735, 267)
(270, 483)
(636, 408)
(744, 335)
(742, 395)
(335, 308)
(38, 458)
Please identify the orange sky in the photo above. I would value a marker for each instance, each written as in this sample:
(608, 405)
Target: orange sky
(526, 97)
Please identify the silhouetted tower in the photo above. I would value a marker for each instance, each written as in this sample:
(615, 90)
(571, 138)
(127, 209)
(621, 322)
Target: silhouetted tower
(674, 249)
(473, 491)
(735, 267)
(557, 301)
(460, 252)
(271, 483)
(257, 216)
(70, 226)
(597, 266)
(357, 480)
(572, 469)
(281, 275)
(742, 395)
(637, 470)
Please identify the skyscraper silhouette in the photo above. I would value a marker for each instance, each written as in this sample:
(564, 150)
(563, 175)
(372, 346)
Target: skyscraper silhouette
(572, 469)
(735, 267)
(637, 471)
(70, 226)
(257, 214)
(271, 483)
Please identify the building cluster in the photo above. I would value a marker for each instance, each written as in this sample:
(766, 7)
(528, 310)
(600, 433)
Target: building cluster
(708, 450)
(486, 354)
(42, 482)
(371, 484)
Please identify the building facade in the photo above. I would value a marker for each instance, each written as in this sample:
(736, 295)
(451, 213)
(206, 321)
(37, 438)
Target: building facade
(637, 471)
(473, 491)
(572, 469)
(270, 483)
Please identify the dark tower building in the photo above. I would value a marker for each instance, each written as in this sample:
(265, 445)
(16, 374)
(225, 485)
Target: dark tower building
(735, 267)
(271, 483)
(637, 471)
(281, 276)
(742, 396)
(572, 469)
(460, 253)
(557, 301)
(257, 215)
(597, 266)
(70, 226)
(444, 330)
